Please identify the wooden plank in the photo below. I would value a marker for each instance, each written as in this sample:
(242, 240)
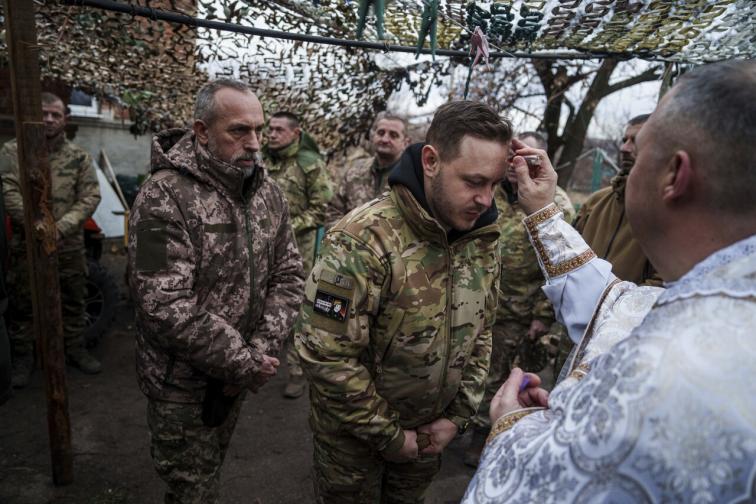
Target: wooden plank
(39, 226)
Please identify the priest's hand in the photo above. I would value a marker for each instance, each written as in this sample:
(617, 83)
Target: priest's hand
(440, 433)
(536, 181)
(521, 390)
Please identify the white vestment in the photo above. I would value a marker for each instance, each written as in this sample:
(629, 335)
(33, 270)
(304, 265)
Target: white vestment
(660, 400)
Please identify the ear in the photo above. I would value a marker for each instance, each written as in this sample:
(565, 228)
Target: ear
(407, 141)
(298, 132)
(431, 164)
(200, 131)
(677, 180)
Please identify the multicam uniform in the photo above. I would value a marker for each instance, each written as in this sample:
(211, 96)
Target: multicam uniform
(76, 194)
(217, 282)
(395, 332)
(521, 299)
(363, 181)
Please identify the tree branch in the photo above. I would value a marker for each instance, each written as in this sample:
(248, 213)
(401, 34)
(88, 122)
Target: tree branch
(649, 74)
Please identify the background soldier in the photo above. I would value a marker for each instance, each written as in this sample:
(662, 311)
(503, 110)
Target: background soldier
(603, 223)
(367, 179)
(217, 281)
(76, 194)
(293, 160)
(395, 330)
(524, 314)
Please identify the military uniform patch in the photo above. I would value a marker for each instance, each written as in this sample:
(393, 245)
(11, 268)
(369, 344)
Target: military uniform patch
(331, 306)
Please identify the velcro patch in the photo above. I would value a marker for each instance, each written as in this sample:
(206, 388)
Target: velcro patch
(331, 306)
(229, 227)
(152, 246)
(336, 279)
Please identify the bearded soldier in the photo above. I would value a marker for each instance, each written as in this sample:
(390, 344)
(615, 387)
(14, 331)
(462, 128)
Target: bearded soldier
(217, 281)
(398, 370)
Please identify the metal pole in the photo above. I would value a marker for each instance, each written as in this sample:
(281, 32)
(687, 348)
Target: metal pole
(39, 226)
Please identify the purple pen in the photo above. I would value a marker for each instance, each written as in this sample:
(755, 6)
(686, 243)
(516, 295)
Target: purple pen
(525, 382)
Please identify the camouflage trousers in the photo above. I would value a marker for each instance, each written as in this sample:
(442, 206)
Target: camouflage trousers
(72, 272)
(510, 348)
(188, 455)
(347, 471)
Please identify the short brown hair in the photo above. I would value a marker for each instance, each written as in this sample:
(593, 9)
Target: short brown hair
(388, 116)
(453, 121)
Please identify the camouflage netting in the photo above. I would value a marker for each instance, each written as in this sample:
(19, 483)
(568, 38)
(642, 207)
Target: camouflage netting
(155, 68)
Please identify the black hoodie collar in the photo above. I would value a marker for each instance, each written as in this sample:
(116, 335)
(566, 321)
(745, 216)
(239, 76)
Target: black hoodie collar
(408, 172)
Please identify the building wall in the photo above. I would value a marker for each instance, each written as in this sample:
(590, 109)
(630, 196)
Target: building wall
(128, 155)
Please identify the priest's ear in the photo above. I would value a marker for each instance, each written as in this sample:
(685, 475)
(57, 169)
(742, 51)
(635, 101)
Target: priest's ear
(677, 179)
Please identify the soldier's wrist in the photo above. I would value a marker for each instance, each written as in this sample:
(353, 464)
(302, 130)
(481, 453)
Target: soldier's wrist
(395, 444)
(462, 423)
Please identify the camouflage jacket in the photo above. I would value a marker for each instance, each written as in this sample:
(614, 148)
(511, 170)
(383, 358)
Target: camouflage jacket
(75, 191)
(213, 270)
(362, 182)
(395, 330)
(302, 175)
(520, 296)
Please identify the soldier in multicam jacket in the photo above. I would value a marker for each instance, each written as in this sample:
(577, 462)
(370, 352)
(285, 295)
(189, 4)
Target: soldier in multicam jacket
(366, 179)
(293, 160)
(524, 314)
(217, 282)
(395, 330)
(76, 194)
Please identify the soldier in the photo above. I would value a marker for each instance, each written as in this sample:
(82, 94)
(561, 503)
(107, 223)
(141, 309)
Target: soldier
(217, 282)
(603, 223)
(395, 330)
(366, 179)
(76, 194)
(524, 314)
(293, 160)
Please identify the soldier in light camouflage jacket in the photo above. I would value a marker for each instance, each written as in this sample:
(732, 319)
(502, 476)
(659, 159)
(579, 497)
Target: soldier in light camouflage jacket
(217, 281)
(366, 179)
(395, 331)
(75, 196)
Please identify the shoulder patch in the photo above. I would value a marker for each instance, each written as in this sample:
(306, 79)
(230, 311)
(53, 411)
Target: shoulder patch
(332, 301)
(152, 246)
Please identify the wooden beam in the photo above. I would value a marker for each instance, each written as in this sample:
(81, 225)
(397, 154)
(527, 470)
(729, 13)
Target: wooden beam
(39, 226)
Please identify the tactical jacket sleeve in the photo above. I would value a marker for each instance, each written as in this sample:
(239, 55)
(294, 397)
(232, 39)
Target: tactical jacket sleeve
(88, 197)
(337, 207)
(162, 265)
(319, 193)
(14, 203)
(334, 349)
(472, 387)
(284, 295)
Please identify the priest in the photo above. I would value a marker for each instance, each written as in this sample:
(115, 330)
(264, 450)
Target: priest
(658, 399)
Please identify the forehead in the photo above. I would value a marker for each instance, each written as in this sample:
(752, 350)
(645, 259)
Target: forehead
(232, 105)
(280, 122)
(56, 106)
(390, 125)
(632, 129)
(478, 157)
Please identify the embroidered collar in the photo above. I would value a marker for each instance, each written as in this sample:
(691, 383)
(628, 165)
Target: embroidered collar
(730, 271)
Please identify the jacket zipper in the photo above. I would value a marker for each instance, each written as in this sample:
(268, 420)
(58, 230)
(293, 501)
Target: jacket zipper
(248, 232)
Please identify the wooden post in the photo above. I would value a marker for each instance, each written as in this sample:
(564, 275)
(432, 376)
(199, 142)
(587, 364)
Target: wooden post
(39, 226)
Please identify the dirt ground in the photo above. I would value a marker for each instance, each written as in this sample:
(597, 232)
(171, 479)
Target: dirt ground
(269, 459)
